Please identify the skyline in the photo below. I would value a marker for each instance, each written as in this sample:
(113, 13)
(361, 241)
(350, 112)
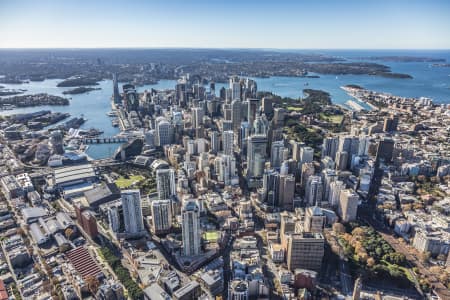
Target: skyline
(289, 25)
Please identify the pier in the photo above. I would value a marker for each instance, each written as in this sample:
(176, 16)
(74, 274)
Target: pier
(104, 140)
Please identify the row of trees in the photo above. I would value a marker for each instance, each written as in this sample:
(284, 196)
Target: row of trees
(134, 291)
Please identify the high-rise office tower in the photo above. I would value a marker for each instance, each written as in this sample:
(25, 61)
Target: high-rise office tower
(164, 132)
(130, 99)
(296, 146)
(306, 172)
(348, 205)
(132, 212)
(271, 187)
(286, 192)
(116, 94)
(244, 133)
(235, 87)
(314, 190)
(165, 183)
(276, 154)
(328, 176)
(390, 123)
(190, 228)
(197, 116)
(227, 125)
(330, 146)
(306, 155)
(364, 143)
(215, 141)
(385, 150)
(260, 125)
(305, 251)
(161, 216)
(236, 115)
(341, 160)
(253, 109)
(256, 155)
(335, 192)
(278, 116)
(267, 106)
(225, 166)
(314, 219)
(228, 142)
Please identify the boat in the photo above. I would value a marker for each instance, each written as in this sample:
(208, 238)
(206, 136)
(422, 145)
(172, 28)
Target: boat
(111, 114)
(115, 123)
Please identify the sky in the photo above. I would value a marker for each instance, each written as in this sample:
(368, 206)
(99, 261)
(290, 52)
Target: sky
(282, 24)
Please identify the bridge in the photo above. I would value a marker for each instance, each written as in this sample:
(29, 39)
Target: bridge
(104, 140)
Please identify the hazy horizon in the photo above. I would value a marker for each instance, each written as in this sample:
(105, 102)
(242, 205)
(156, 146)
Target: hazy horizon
(284, 25)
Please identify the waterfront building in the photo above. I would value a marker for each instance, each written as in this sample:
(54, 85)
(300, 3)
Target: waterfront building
(116, 94)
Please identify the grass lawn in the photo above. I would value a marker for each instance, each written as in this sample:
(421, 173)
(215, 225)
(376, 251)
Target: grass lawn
(294, 108)
(124, 183)
(336, 119)
(211, 236)
(404, 269)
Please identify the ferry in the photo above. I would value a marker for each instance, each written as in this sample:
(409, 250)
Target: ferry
(111, 114)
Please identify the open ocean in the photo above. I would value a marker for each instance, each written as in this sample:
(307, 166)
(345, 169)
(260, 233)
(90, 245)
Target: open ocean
(428, 81)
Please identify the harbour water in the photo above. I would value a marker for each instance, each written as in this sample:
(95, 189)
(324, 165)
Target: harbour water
(428, 81)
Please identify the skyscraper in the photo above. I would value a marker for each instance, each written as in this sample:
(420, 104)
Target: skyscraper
(335, 192)
(348, 205)
(314, 190)
(330, 146)
(235, 87)
(256, 155)
(228, 142)
(197, 116)
(328, 176)
(215, 142)
(116, 94)
(236, 114)
(164, 132)
(165, 183)
(276, 154)
(132, 212)
(130, 99)
(306, 154)
(252, 111)
(286, 192)
(191, 229)
(161, 216)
